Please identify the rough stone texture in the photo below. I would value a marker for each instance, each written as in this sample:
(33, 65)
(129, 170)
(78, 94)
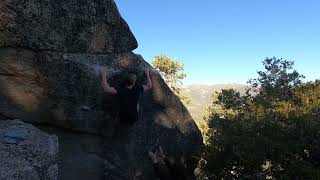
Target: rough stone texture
(58, 88)
(48, 77)
(81, 155)
(63, 89)
(33, 156)
(91, 26)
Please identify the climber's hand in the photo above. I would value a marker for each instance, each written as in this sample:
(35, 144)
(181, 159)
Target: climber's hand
(154, 71)
(147, 72)
(153, 157)
(161, 154)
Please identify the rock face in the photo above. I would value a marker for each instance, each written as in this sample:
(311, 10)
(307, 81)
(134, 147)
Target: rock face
(49, 52)
(90, 26)
(26, 152)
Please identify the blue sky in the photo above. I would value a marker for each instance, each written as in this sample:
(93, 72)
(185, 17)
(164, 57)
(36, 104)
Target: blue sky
(224, 41)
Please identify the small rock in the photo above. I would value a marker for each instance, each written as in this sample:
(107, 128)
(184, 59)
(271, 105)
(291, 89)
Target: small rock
(13, 135)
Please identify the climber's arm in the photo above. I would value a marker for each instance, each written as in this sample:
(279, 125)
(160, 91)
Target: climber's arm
(106, 87)
(147, 86)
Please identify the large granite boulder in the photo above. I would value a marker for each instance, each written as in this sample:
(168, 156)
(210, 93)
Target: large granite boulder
(48, 77)
(26, 152)
(90, 26)
(63, 90)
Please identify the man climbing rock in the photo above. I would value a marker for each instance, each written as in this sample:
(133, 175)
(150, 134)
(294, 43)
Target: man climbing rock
(128, 95)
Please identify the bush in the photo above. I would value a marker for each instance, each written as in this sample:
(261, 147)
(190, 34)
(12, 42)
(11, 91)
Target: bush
(273, 132)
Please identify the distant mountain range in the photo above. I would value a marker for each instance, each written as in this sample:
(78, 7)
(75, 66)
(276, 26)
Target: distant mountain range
(201, 96)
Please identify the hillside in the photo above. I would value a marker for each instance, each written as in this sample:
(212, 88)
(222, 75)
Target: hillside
(201, 96)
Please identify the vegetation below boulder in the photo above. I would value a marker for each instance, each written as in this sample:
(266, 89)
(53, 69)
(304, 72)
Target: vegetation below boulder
(272, 132)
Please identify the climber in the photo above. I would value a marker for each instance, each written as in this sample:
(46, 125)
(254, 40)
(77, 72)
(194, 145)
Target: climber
(128, 95)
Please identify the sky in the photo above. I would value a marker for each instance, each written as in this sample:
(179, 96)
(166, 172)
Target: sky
(225, 41)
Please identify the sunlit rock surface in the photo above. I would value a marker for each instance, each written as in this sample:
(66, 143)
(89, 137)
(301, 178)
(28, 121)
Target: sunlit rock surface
(91, 26)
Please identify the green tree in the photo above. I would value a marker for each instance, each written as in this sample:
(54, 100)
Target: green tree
(273, 132)
(172, 72)
(230, 99)
(276, 82)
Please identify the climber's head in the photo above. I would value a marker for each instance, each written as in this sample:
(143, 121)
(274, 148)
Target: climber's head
(131, 79)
